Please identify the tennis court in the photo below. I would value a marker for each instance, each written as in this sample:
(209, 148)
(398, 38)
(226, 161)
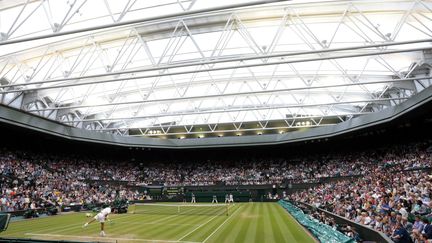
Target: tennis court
(245, 222)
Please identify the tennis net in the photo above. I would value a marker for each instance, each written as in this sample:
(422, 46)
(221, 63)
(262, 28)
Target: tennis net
(184, 209)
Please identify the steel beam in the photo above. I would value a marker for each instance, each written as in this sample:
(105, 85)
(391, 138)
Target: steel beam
(239, 59)
(222, 68)
(246, 109)
(183, 15)
(238, 93)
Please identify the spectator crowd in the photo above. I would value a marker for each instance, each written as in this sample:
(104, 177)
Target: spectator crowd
(27, 182)
(386, 188)
(394, 198)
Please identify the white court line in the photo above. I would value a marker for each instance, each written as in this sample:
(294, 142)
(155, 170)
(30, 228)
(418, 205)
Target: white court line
(116, 220)
(226, 220)
(128, 223)
(179, 240)
(111, 238)
(76, 225)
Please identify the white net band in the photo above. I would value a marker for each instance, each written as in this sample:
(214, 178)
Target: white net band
(192, 209)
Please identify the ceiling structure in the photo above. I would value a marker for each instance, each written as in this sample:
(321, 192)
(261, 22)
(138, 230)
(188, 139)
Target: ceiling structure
(202, 68)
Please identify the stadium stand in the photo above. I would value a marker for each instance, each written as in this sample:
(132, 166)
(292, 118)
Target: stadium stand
(394, 186)
(23, 170)
(383, 197)
(352, 229)
(324, 232)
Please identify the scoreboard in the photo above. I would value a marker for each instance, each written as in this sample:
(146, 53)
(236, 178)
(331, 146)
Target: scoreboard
(173, 190)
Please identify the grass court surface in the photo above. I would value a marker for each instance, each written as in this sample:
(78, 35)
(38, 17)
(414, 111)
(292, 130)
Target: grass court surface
(246, 222)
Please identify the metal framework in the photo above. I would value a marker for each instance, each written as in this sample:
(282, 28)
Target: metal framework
(197, 68)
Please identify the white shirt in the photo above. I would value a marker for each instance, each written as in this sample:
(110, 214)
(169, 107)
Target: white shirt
(367, 220)
(106, 211)
(404, 212)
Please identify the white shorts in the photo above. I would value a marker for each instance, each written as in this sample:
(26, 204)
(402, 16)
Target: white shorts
(100, 218)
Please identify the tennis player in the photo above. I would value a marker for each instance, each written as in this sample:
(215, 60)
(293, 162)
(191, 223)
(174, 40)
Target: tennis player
(100, 217)
(231, 198)
(214, 199)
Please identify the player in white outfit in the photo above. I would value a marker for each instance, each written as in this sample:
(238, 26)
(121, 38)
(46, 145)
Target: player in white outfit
(100, 217)
(231, 198)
